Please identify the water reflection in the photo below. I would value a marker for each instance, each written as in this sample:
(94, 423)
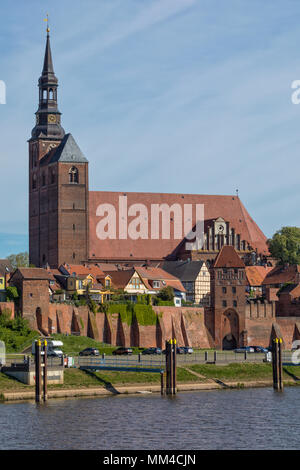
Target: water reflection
(224, 419)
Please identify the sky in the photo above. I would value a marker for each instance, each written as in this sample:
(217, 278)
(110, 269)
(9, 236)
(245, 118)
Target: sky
(182, 96)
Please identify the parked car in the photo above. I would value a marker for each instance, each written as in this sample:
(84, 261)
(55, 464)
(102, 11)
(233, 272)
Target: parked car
(244, 349)
(89, 352)
(122, 351)
(259, 349)
(188, 350)
(152, 351)
(179, 350)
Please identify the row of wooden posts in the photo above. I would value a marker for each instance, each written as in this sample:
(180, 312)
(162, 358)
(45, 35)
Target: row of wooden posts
(41, 371)
(168, 378)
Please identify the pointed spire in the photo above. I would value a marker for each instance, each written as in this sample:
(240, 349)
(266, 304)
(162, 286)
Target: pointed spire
(48, 64)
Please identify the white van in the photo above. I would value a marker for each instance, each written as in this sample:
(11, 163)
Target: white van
(53, 348)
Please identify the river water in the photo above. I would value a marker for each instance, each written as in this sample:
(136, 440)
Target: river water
(221, 419)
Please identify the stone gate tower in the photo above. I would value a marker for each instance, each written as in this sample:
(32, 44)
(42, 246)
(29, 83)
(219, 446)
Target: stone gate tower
(58, 183)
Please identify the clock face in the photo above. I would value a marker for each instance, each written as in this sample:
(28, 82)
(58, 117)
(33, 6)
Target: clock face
(51, 118)
(51, 146)
(220, 228)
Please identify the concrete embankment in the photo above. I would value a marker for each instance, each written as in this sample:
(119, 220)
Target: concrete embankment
(134, 390)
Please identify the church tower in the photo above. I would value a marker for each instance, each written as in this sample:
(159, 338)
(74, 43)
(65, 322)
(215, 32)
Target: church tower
(58, 183)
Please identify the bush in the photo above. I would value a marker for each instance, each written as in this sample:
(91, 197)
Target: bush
(12, 293)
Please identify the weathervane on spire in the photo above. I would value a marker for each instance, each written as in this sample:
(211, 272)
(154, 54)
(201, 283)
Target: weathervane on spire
(47, 19)
(237, 192)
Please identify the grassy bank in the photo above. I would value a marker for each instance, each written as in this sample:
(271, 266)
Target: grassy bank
(241, 373)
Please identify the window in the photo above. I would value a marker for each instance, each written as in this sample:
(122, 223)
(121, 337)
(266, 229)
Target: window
(51, 95)
(224, 303)
(234, 290)
(73, 175)
(34, 181)
(107, 282)
(235, 303)
(135, 282)
(74, 227)
(156, 284)
(43, 179)
(224, 290)
(52, 177)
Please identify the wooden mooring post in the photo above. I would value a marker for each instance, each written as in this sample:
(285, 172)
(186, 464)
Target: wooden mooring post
(171, 385)
(38, 371)
(277, 364)
(45, 372)
(41, 371)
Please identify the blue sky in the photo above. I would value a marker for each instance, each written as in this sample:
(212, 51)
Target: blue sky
(161, 95)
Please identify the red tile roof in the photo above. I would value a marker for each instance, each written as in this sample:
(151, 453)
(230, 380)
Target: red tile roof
(228, 258)
(228, 207)
(120, 279)
(157, 274)
(282, 274)
(256, 274)
(82, 270)
(36, 274)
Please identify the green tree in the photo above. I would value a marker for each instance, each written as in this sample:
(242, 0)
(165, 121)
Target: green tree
(20, 260)
(285, 245)
(166, 294)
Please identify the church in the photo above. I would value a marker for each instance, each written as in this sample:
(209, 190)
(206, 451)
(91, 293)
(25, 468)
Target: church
(67, 221)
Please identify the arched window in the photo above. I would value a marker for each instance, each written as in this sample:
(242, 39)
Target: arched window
(73, 175)
(44, 94)
(52, 178)
(43, 179)
(51, 95)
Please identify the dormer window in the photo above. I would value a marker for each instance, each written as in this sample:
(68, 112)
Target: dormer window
(73, 175)
(156, 284)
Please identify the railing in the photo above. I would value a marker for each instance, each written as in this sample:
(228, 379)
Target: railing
(128, 363)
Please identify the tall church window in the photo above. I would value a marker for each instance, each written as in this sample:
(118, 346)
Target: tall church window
(45, 95)
(43, 179)
(52, 177)
(73, 175)
(51, 96)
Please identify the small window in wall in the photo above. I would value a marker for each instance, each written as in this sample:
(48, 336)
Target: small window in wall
(224, 290)
(74, 255)
(34, 181)
(44, 94)
(73, 175)
(234, 290)
(74, 227)
(235, 303)
(224, 303)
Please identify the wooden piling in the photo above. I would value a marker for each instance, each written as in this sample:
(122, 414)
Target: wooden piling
(174, 367)
(45, 372)
(277, 364)
(38, 371)
(162, 392)
(280, 372)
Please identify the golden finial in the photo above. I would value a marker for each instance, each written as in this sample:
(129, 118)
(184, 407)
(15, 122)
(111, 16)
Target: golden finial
(47, 19)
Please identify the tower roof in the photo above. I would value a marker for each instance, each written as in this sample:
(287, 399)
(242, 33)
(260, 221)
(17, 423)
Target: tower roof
(228, 258)
(48, 64)
(68, 151)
